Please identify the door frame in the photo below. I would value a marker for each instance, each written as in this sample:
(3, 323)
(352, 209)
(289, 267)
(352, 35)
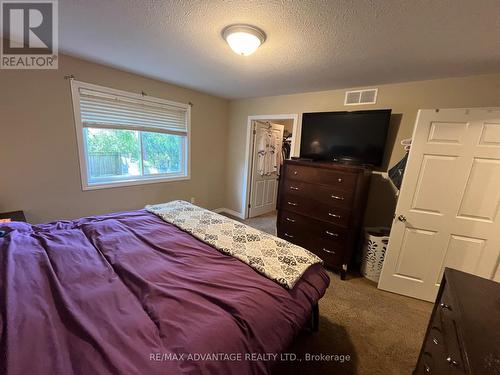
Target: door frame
(247, 172)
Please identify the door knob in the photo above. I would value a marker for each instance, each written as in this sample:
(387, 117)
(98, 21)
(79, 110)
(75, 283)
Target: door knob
(402, 218)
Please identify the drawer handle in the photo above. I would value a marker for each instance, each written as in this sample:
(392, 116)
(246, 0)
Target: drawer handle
(332, 215)
(339, 180)
(451, 361)
(435, 341)
(290, 220)
(337, 197)
(331, 233)
(328, 251)
(294, 188)
(288, 235)
(427, 369)
(293, 204)
(295, 172)
(445, 306)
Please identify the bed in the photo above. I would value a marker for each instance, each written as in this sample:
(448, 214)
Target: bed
(128, 293)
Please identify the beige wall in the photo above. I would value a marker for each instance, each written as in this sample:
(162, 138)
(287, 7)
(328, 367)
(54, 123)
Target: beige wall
(38, 152)
(40, 172)
(404, 99)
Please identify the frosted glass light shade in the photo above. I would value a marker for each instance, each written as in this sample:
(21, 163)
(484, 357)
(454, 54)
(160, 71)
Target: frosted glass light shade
(243, 39)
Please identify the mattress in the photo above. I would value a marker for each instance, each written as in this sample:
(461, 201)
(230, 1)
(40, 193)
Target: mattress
(128, 293)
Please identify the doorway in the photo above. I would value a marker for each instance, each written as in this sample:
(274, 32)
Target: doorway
(270, 140)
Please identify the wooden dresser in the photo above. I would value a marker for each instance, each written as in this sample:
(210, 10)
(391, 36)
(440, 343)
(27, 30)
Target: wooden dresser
(463, 336)
(13, 216)
(321, 207)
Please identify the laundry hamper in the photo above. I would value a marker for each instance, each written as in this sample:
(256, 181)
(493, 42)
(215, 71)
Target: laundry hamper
(374, 247)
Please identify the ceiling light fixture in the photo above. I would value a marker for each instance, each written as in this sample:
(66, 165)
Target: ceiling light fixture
(243, 39)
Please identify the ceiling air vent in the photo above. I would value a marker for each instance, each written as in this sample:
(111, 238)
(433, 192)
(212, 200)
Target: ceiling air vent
(358, 97)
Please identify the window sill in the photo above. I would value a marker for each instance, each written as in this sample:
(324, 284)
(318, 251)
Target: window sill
(146, 181)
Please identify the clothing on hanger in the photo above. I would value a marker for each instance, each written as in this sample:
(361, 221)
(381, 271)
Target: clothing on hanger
(286, 147)
(268, 153)
(396, 173)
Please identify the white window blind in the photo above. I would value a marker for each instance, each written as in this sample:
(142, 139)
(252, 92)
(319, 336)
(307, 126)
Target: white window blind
(126, 138)
(104, 110)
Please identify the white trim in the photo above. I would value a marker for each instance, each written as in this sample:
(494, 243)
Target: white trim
(245, 193)
(143, 181)
(188, 144)
(229, 211)
(81, 145)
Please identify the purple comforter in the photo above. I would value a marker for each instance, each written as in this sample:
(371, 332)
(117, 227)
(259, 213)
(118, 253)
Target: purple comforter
(129, 294)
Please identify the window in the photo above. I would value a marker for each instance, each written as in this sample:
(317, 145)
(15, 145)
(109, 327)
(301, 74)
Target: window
(128, 139)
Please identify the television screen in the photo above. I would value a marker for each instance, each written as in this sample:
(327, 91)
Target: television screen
(357, 136)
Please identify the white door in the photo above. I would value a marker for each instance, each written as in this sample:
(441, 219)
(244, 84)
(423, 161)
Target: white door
(264, 188)
(448, 209)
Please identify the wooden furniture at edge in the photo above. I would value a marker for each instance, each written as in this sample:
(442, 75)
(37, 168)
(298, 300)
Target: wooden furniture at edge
(321, 207)
(13, 216)
(463, 332)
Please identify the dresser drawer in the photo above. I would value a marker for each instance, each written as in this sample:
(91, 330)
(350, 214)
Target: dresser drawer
(337, 179)
(329, 232)
(292, 236)
(452, 351)
(325, 194)
(446, 302)
(334, 215)
(317, 203)
(438, 356)
(332, 252)
(446, 311)
(425, 365)
(313, 229)
(435, 339)
(441, 352)
(325, 240)
(462, 336)
(434, 358)
(290, 224)
(315, 209)
(293, 228)
(431, 363)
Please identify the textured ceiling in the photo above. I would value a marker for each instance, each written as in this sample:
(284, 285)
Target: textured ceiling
(310, 46)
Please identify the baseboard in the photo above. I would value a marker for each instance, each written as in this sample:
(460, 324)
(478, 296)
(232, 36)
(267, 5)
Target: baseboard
(230, 212)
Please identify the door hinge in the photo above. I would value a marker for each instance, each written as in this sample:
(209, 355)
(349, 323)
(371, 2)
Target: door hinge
(254, 131)
(249, 205)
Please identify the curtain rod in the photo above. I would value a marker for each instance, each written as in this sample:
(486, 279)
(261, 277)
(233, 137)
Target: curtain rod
(143, 93)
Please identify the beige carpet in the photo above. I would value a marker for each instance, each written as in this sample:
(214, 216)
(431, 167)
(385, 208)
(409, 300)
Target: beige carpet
(381, 332)
(265, 223)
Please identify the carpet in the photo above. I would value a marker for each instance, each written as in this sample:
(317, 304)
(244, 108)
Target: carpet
(381, 332)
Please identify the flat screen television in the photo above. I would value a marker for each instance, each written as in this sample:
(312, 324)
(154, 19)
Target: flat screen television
(358, 136)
